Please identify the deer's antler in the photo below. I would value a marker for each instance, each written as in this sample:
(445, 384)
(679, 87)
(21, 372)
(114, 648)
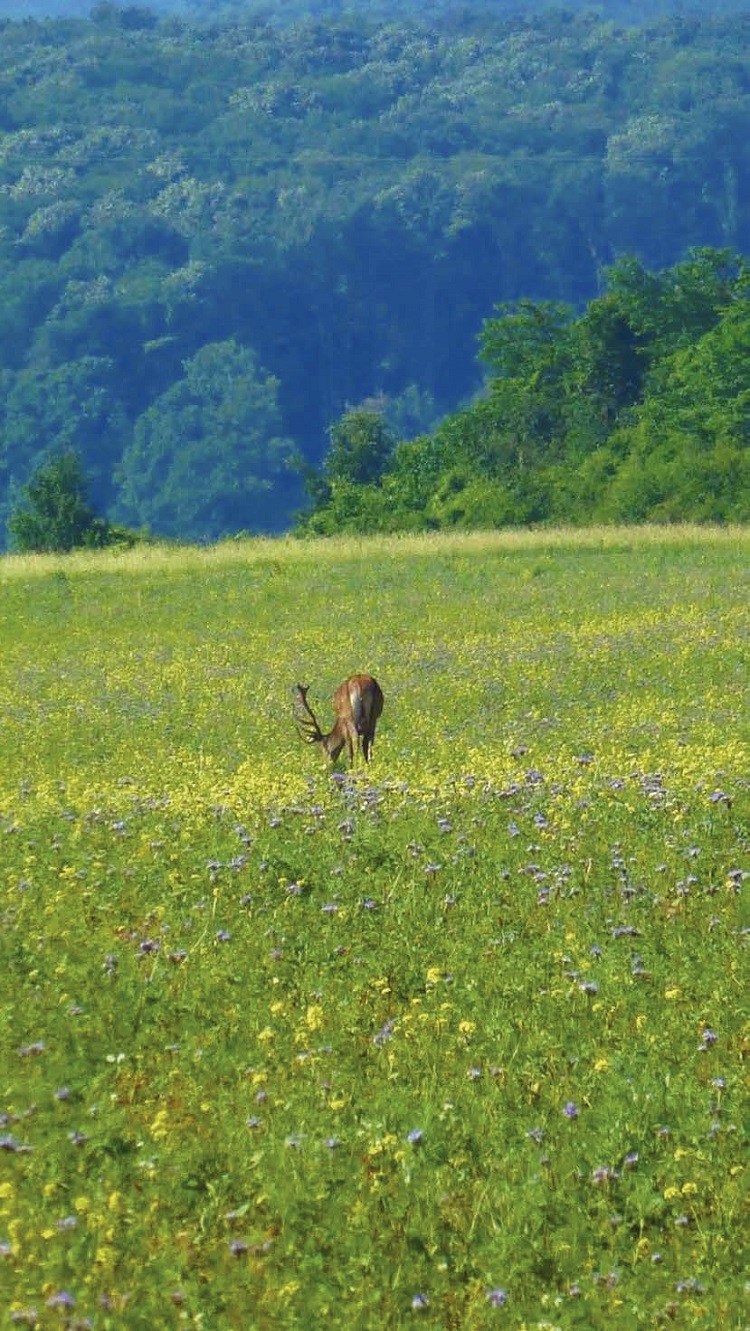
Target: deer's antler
(308, 725)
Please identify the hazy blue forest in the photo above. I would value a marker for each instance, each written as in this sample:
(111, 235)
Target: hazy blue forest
(481, 267)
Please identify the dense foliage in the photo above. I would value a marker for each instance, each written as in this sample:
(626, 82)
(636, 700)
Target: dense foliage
(637, 410)
(332, 208)
(54, 513)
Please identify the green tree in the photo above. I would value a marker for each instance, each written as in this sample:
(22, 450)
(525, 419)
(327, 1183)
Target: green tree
(74, 408)
(54, 512)
(345, 490)
(208, 458)
(361, 447)
(523, 338)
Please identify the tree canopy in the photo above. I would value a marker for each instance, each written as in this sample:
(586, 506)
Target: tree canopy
(625, 413)
(342, 199)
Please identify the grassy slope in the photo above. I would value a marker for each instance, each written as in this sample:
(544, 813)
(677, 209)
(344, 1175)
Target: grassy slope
(253, 982)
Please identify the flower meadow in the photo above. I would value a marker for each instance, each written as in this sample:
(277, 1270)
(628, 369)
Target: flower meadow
(455, 1040)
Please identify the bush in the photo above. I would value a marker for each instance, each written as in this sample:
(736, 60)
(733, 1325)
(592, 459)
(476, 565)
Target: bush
(55, 513)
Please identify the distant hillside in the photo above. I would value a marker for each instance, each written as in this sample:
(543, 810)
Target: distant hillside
(217, 239)
(291, 11)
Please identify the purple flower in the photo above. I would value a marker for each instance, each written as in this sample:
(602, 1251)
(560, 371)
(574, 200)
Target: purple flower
(61, 1300)
(32, 1050)
(237, 1247)
(497, 1298)
(62, 1093)
(420, 1302)
(414, 1136)
(690, 1286)
(67, 1222)
(253, 1122)
(719, 1083)
(223, 935)
(570, 1109)
(631, 1160)
(148, 945)
(385, 1033)
(709, 1037)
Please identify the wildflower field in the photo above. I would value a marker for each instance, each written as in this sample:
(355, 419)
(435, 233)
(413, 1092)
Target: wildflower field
(452, 1041)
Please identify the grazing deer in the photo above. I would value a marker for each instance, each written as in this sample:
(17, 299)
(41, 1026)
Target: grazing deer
(358, 703)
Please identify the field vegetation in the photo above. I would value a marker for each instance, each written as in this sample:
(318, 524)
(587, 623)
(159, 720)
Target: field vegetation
(455, 1041)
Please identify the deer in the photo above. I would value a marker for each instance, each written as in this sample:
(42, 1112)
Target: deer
(358, 703)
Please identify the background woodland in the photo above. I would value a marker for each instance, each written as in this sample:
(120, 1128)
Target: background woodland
(481, 269)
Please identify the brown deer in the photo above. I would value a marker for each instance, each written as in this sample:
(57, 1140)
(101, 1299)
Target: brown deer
(358, 703)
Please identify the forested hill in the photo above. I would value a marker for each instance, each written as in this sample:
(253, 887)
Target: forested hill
(284, 12)
(214, 238)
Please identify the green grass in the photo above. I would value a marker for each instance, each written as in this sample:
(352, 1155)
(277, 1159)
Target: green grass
(287, 1048)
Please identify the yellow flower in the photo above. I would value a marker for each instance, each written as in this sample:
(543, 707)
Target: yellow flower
(314, 1017)
(289, 1290)
(6, 1190)
(159, 1124)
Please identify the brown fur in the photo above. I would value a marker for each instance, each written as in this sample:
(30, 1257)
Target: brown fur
(357, 703)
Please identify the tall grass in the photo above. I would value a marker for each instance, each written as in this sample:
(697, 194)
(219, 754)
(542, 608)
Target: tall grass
(456, 1040)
